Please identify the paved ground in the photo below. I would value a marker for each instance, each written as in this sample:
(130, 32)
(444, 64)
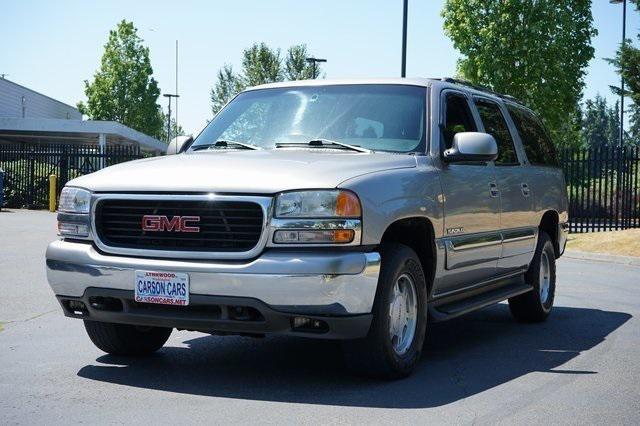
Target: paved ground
(579, 367)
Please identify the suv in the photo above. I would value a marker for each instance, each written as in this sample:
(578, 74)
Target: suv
(354, 210)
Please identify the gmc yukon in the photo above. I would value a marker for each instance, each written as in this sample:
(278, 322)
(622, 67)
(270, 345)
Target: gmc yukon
(355, 210)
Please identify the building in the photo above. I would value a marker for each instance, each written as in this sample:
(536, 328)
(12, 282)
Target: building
(20, 102)
(27, 116)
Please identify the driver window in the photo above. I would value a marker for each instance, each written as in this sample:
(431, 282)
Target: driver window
(458, 118)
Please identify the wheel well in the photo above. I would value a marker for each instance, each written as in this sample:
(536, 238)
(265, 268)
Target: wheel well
(417, 233)
(549, 224)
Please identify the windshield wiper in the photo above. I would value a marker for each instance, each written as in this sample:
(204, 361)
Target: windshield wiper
(225, 144)
(323, 143)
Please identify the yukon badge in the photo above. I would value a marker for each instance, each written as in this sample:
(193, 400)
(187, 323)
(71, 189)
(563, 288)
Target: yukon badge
(158, 223)
(454, 231)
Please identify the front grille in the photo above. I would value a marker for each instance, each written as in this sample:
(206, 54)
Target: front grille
(225, 226)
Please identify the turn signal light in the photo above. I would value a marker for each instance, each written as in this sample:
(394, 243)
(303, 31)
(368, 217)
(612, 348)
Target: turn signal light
(333, 236)
(71, 229)
(347, 205)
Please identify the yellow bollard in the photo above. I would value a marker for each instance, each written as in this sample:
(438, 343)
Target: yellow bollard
(52, 193)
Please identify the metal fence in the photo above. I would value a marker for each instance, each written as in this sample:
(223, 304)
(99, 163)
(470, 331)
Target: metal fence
(602, 183)
(27, 168)
(603, 188)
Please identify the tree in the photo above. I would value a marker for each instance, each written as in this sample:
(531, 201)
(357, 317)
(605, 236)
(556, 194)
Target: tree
(634, 125)
(600, 123)
(227, 86)
(260, 65)
(594, 132)
(613, 124)
(123, 88)
(627, 64)
(536, 51)
(176, 129)
(296, 66)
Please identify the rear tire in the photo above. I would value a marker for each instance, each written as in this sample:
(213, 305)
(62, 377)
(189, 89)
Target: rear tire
(124, 339)
(393, 346)
(536, 305)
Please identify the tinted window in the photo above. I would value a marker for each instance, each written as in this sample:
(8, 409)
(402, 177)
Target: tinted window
(379, 117)
(458, 118)
(496, 126)
(536, 141)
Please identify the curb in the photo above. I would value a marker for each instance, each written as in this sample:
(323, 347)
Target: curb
(601, 257)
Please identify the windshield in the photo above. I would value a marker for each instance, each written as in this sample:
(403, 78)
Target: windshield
(376, 117)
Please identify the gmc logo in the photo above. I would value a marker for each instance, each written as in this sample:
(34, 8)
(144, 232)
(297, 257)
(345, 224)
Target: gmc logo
(157, 223)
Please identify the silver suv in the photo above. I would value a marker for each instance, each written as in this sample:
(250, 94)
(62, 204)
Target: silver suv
(355, 210)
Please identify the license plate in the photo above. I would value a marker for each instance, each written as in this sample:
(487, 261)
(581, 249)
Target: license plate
(165, 288)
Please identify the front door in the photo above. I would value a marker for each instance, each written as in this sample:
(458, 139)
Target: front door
(471, 205)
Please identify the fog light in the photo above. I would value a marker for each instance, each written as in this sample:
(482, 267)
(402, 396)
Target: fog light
(77, 307)
(309, 325)
(332, 236)
(70, 229)
(299, 322)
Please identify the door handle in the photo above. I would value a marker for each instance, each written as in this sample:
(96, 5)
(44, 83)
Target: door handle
(525, 189)
(493, 190)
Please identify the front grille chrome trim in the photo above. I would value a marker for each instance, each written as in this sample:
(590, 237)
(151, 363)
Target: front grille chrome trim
(265, 203)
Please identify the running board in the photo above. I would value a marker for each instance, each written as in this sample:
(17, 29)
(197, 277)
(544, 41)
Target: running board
(445, 309)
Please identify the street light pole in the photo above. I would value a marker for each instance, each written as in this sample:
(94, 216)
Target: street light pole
(313, 62)
(403, 70)
(624, 37)
(169, 95)
(177, 124)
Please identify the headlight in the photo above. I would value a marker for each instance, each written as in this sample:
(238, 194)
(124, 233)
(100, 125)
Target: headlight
(73, 213)
(318, 204)
(74, 200)
(325, 217)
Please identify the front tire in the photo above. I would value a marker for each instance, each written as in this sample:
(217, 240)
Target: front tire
(124, 339)
(535, 306)
(394, 343)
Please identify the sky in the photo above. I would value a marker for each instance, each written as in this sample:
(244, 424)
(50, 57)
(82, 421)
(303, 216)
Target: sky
(52, 47)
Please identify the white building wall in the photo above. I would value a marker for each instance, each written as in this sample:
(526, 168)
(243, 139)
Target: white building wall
(35, 105)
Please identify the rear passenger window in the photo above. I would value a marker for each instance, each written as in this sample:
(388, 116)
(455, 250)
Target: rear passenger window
(536, 141)
(496, 126)
(458, 118)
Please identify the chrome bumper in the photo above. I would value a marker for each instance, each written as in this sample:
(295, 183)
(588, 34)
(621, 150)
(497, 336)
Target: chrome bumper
(323, 283)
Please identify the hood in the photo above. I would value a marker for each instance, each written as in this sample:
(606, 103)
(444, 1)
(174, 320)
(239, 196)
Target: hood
(233, 171)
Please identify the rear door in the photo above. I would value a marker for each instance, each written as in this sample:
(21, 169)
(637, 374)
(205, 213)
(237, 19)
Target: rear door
(471, 204)
(516, 197)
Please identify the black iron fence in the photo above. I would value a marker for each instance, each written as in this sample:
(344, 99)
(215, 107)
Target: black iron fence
(27, 168)
(603, 183)
(603, 187)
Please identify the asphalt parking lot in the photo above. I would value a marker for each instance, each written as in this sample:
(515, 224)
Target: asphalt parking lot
(581, 366)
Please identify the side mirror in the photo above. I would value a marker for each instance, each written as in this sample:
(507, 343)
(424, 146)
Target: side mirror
(472, 146)
(179, 144)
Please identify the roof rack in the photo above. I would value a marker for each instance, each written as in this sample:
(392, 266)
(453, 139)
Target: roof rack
(482, 89)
